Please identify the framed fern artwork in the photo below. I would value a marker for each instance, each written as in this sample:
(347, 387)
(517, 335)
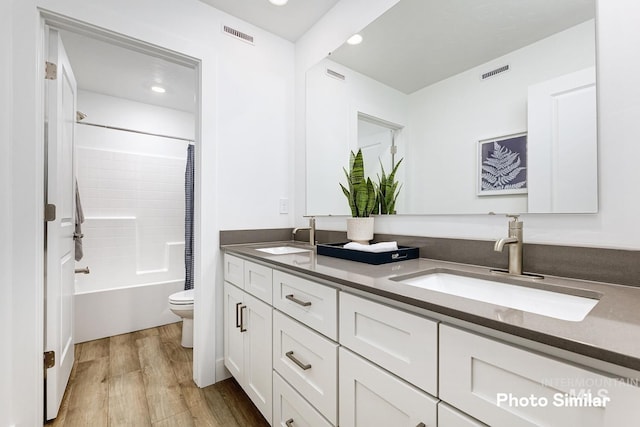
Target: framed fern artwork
(502, 165)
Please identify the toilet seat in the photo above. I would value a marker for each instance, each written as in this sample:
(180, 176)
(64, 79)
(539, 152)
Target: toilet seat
(182, 298)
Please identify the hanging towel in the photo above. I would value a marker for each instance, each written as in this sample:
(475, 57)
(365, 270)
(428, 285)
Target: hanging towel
(188, 219)
(77, 235)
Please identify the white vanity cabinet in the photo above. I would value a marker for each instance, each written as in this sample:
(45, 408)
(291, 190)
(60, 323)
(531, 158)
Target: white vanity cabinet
(403, 343)
(290, 409)
(305, 351)
(450, 417)
(233, 270)
(309, 302)
(308, 361)
(398, 343)
(254, 278)
(504, 385)
(308, 355)
(371, 396)
(286, 360)
(248, 331)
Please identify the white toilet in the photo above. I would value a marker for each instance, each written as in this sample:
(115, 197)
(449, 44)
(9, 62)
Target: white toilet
(181, 303)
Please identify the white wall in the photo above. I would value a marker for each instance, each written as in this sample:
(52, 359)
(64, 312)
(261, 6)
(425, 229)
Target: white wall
(26, 204)
(444, 129)
(6, 324)
(256, 92)
(618, 108)
(238, 84)
(108, 110)
(346, 18)
(332, 129)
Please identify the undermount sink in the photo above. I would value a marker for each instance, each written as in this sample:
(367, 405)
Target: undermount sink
(283, 250)
(559, 305)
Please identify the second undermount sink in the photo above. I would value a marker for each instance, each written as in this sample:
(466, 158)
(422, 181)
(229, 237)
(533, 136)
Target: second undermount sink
(559, 305)
(283, 250)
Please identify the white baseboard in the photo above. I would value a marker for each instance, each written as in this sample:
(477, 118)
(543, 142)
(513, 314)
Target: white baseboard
(222, 373)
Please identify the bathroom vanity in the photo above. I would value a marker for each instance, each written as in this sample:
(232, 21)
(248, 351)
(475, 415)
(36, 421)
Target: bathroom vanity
(319, 341)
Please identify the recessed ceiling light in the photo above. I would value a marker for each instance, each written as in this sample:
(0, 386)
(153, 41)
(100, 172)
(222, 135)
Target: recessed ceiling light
(278, 2)
(158, 89)
(354, 39)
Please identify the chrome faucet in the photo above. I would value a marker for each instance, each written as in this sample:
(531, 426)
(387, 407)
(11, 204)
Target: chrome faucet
(514, 241)
(311, 228)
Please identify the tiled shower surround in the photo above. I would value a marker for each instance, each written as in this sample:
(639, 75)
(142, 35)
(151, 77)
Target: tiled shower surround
(134, 208)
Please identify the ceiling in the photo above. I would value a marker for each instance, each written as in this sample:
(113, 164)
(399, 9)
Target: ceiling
(290, 21)
(110, 68)
(415, 43)
(419, 42)
(118, 71)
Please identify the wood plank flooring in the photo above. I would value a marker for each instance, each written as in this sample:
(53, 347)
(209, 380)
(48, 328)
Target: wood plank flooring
(144, 379)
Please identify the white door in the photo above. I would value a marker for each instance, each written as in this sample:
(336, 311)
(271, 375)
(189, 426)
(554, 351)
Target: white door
(59, 249)
(563, 144)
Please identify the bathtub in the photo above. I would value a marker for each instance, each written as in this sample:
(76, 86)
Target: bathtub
(107, 312)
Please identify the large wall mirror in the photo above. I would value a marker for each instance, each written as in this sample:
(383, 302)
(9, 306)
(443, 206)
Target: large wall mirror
(491, 104)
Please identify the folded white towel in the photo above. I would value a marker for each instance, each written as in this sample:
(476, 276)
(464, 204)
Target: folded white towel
(376, 247)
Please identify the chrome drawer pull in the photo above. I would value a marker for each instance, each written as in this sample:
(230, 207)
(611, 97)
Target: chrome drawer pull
(302, 366)
(242, 328)
(237, 314)
(82, 270)
(297, 301)
(289, 422)
(421, 425)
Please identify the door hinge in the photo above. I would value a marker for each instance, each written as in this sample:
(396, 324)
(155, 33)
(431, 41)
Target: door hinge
(49, 212)
(49, 359)
(394, 149)
(50, 71)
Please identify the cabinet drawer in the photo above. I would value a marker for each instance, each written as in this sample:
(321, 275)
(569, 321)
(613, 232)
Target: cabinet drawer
(311, 303)
(403, 343)
(291, 410)
(370, 396)
(450, 417)
(501, 384)
(258, 281)
(308, 361)
(234, 270)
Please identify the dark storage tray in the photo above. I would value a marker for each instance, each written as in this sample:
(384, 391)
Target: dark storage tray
(336, 250)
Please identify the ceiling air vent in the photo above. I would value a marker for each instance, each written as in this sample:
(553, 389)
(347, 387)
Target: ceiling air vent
(495, 72)
(335, 74)
(237, 34)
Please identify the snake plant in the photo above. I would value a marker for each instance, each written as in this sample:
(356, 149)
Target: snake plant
(388, 190)
(361, 193)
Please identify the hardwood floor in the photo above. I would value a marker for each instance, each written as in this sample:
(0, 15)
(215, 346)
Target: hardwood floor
(144, 379)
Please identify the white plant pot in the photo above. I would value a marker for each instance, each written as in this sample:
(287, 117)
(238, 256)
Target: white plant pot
(360, 230)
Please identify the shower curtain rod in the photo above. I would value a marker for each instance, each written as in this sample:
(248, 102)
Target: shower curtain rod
(190, 141)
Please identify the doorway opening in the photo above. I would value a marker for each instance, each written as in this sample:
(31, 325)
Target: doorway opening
(137, 115)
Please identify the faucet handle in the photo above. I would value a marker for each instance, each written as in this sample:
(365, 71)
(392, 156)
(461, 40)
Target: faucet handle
(514, 224)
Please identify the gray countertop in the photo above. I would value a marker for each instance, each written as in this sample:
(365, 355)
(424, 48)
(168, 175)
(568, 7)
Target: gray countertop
(610, 332)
